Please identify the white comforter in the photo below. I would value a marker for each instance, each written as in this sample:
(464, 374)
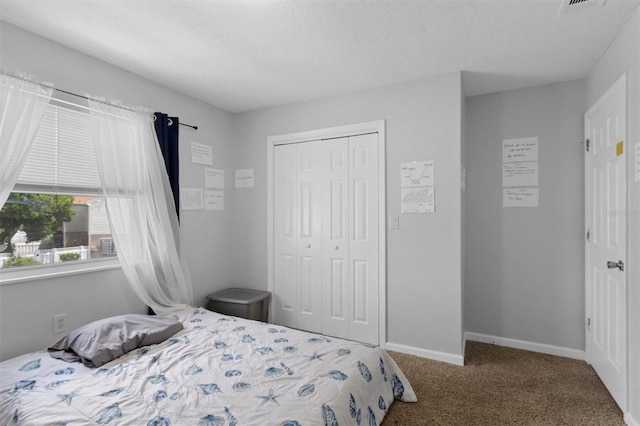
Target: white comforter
(218, 370)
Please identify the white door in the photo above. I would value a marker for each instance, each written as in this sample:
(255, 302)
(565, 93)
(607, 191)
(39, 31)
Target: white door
(311, 171)
(350, 239)
(363, 235)
(297, 237)
(285, 296)
(606, 281)
(335, 231)
(326, 237)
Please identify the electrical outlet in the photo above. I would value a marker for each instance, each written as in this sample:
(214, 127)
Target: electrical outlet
(60, 323)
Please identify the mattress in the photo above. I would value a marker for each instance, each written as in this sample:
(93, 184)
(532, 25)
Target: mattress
(218, 370)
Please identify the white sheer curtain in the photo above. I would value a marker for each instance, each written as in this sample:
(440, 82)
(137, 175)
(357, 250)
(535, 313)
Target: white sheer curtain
(140, 206)
(22, 104)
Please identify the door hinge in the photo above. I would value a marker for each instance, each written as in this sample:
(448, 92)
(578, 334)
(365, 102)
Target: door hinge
(588, 235)
(589, 324)
(586, 144)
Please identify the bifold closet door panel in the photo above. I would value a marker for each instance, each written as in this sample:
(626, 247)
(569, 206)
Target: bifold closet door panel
(335, 237)
(312, 166)
(350, 239)
(286, 229)
(363, 237)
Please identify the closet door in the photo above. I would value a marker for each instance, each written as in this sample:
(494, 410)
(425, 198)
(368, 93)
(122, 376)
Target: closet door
(312, 165)
(299, 173)
(363, 237)
(350, 239)
(326, 237)
(336, 294)
(286, 229)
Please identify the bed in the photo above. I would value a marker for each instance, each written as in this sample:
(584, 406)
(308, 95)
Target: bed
(217, 370)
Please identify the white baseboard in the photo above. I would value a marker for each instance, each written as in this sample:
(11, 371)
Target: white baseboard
(630, 421)
(528, 346)
(425, 353)
(495, 340)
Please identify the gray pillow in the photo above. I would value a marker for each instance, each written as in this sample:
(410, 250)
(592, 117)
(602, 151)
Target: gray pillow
(101, 341)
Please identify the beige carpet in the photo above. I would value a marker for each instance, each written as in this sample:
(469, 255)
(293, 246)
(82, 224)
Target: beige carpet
(503, 386)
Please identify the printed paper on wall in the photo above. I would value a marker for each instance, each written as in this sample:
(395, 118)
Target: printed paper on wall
(191, 198)
(418, 200)
(416, 174)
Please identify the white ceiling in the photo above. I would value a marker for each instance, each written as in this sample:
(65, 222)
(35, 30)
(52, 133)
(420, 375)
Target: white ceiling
(243, 55)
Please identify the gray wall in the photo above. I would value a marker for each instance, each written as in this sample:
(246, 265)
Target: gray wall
(623, 56)
(423, 121)
(525, 266)
(504, 248)
(27, 309)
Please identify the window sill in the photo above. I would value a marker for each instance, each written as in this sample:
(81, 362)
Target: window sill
(23, 274)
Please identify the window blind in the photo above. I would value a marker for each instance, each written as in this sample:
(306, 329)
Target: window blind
(62, 158)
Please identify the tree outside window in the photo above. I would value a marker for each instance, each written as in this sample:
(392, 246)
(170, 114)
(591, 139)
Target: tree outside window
(50, 228)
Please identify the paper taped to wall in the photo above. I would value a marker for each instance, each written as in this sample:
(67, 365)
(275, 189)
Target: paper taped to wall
(520, 197)
(418, 200)
(213, 200)
(213, 178)
(520, 173)
(191, 198)
(522, 149)
(244, 178)
(201, 154)
(416, 173)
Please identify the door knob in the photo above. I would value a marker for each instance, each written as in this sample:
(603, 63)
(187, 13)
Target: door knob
(308, 245)
(613, 265)
(337, 247)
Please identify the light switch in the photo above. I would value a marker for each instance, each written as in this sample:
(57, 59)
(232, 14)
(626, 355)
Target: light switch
(394, 222)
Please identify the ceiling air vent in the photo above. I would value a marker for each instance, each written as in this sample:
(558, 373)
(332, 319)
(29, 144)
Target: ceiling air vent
(572, 5)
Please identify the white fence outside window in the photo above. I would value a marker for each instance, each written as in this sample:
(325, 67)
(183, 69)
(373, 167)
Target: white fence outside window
(32, 250)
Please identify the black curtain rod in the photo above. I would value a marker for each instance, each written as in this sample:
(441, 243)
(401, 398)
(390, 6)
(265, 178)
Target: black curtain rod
(188, 125)
(107, 103)
(82, 96)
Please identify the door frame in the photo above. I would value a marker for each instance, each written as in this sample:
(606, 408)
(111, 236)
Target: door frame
(332, 133)
(619, 85)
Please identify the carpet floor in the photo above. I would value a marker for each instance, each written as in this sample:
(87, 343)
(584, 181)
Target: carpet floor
(503, 386)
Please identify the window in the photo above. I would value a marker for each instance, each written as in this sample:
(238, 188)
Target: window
(56, 212)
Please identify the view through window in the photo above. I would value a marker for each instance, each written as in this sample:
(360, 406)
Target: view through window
(40, 229)
(56, 212)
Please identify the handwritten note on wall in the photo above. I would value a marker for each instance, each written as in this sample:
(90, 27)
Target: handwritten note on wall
(523, 149)
(520, 197)
(520, 172)
(201, 154)
(213, 200)
(213, 178)
(244, 178)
